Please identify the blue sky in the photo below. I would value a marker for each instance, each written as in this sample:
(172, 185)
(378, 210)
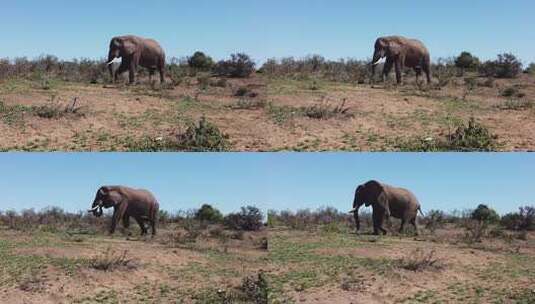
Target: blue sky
(264, 29)
(270, 181)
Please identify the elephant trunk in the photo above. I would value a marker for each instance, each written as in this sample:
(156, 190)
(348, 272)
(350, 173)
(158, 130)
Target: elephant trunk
(355, 212)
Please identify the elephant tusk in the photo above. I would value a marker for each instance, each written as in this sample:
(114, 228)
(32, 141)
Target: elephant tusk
(353, 210)
(93, 210)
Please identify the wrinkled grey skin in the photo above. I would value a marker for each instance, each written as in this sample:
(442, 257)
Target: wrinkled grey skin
(386, 201)
(402, 52)
(136, 51)
(127, 202)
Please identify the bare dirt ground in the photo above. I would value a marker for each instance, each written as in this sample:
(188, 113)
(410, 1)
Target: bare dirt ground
(280, 115)
(41, 267)
(340, 267)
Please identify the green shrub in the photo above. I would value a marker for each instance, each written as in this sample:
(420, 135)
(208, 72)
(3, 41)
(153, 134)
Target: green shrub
(203, 137)
(485, 214)
(466, 61)
(471, 137)
(209, 214)
(506, 66)
(512, 92)
(239, 66)
(522, 220)
(248, 219)
(531, 69)
(200, 61)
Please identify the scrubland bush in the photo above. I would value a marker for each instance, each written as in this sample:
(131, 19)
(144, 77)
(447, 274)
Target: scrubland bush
(471, 137)
(420, 260)
(48, 67)
(444, 70)
(434, 219)
(485, 214)
(51, 219)
(248, 219)
(506, 66)
(466, 61)
(208, 214)
(343, 70)
(328, 219)
(522, 220)
(200, 61)
(238, 66)
(202, 137)
(530, 69)
(109, 260)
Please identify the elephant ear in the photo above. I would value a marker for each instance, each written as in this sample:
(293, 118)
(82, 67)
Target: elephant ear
(374, 190)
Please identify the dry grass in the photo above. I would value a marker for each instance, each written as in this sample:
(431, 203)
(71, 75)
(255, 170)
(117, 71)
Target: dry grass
(110, 260)
(421, 260)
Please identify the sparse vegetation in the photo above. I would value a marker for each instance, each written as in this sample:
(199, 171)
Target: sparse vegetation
(111, 261)
(522, 220)
(466, 61)
(506, 66)
(249, 219)
(239, 66)
(200, 61)
(421, 260)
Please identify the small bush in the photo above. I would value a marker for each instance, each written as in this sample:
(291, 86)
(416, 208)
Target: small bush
(531, 69)
(475, 231)
(200, 61)
(239, 66)
(420, 260)
(513, 92)
(466, 61)
(250, 104)
(248, 219)
(506, 66)
(203, 137)
(471, 137)
(256, 288)
(110, 261)
(516, 104)
(208, 214)
(324, 110)
(245, 92)
(485, 214)
(524, 220)
(434, 219)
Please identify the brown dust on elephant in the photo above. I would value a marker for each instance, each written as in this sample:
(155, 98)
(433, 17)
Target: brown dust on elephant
(386, 201)
(401, 52)
(127, 202)
(136, 51)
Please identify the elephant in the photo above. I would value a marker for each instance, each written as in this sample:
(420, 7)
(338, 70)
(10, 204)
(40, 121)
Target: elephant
(386, 201)
(402, 52)
(126, 203)
(136, 51)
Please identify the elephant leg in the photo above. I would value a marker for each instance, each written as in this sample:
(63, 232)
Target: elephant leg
(122, 68)
(153, 227)
(427, 72)
(132, 74)
(402, 226)
(162, 75)
(398, 71)
(418, 71)
(387, 68)
(126, 221)
(413, 222)
(141, 224)
(118, 214)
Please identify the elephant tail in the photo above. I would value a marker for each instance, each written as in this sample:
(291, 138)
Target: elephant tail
(421, 212)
